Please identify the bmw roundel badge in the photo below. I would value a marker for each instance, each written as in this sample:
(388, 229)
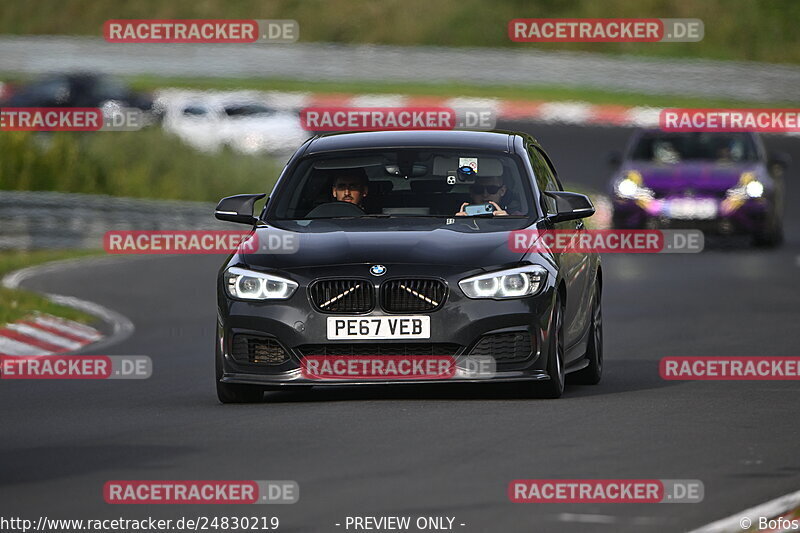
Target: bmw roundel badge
(377, 270)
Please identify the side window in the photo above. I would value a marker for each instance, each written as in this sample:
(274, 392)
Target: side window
(545, 180)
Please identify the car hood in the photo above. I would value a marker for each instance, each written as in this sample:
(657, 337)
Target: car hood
(701, 176)
(325, 243)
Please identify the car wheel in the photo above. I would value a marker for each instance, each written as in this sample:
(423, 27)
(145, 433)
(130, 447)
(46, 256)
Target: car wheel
(554, 387)
(594, 352)
(233, 392)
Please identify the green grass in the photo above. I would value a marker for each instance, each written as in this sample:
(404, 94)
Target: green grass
(140, 164)
(542, 93)
(734, 29)
(17, 304)
(529, 93)
(153, 164)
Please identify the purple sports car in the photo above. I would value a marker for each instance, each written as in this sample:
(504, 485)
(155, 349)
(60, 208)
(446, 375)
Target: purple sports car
(717, 182)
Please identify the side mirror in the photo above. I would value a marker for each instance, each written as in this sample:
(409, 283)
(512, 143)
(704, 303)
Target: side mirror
(614, 159)
(570, 206)
(238, 208)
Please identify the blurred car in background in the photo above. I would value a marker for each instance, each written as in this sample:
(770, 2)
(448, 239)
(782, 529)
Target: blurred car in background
(78, 90)
(241, 122)
(721, 183)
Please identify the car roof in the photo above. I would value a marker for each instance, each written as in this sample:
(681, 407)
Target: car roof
(483, 140)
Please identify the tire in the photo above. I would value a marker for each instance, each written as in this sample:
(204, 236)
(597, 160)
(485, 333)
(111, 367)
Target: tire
(594, 351)
(554, 387)
(232, 392)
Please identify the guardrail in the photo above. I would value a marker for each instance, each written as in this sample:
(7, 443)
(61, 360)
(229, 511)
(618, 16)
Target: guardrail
(39, 220)
(740, 80)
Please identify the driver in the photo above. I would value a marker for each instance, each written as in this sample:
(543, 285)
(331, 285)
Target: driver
(665, 152)
(487, 190)
(350, 185)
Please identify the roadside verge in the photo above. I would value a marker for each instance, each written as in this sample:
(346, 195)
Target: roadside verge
(42, 334)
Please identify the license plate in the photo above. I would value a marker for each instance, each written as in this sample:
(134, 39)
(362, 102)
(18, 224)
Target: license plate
(690, 208)
(379, 327)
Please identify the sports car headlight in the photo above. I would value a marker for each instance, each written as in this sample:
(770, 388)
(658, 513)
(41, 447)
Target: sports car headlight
(747, 187)
(631, 187)
(627, 188)
(754, 189)
(514, 283)
(249, 285)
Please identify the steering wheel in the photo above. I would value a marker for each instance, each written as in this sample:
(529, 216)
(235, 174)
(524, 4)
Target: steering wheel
(336, 209)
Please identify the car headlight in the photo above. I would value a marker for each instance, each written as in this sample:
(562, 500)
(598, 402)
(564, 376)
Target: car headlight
(513, 283)
(747, 187)
(627, 188)
(631, 187)
(754, 189)
(249, 285)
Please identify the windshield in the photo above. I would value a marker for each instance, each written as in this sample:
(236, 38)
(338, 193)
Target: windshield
(676, 147)
(404, 183)
(194, 111)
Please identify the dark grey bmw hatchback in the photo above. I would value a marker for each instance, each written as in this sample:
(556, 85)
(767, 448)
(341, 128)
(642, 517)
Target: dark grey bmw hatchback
(395, 246)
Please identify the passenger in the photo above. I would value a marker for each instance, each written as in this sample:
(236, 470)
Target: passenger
(487, 190)
(665, 152)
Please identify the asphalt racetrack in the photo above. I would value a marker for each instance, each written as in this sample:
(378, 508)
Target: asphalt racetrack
(423, 450)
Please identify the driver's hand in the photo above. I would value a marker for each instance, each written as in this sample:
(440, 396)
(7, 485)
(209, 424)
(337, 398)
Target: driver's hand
(461, 213)
(497, 211)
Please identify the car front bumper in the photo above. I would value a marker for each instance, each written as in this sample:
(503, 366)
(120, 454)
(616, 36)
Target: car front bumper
(752, 216)
(461, 323)
(295, 378)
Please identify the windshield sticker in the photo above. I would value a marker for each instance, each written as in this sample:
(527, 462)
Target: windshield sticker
(468, 162)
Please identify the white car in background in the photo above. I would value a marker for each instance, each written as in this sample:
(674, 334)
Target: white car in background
(243, 123)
